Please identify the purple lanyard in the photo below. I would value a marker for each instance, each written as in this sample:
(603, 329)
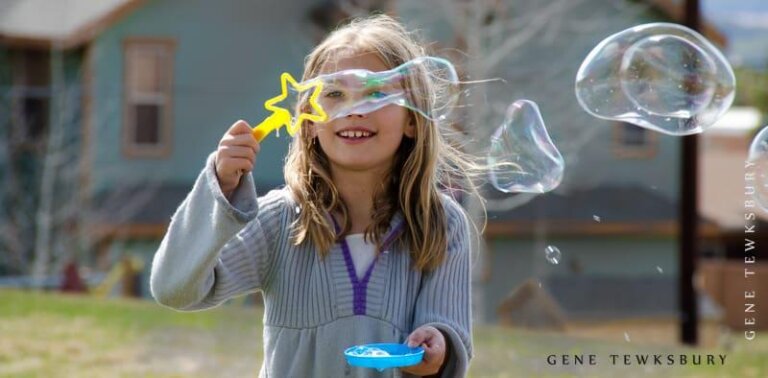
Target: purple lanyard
(359, 287)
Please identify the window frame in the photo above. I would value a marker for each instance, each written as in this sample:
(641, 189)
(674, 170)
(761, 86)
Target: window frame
(163, 148)
(22, 89)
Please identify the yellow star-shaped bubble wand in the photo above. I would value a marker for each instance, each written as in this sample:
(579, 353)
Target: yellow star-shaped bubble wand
(282, 117)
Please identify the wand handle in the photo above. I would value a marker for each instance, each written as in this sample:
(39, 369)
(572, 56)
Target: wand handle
(272, 123)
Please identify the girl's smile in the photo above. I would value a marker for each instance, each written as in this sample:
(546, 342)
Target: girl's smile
(355, 135)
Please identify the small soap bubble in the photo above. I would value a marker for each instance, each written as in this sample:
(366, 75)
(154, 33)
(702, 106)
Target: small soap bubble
(297, 209)
(659, 269)
(596, 218)
(552, 254)
(664, 77)
(626, 337)
(758, 155)
(522, 157)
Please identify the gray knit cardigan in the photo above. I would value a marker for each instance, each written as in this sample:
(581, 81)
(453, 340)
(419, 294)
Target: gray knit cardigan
(314, 308)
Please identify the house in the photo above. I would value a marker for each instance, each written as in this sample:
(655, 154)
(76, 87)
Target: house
(727, 184)
(110, 108)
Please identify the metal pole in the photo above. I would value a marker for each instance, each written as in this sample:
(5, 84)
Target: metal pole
(688, 217)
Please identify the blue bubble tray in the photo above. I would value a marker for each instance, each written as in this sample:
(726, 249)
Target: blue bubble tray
(400, 355)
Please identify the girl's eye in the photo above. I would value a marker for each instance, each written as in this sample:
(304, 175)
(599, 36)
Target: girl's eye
(377, 94)
(333, 94)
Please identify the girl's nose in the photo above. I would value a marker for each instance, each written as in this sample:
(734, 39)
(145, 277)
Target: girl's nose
(356, 115)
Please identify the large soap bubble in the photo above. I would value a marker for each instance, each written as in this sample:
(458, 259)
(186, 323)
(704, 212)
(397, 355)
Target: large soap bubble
(660, 76)
(522, 157)
(758, 155)
(359, 91)
(426, 85)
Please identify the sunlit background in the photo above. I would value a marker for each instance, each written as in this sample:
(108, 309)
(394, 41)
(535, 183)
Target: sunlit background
(109, 108)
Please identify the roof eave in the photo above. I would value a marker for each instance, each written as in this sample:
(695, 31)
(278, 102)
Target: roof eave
(79, 37)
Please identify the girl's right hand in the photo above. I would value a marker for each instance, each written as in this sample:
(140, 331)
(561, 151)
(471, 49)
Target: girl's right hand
(235, 156)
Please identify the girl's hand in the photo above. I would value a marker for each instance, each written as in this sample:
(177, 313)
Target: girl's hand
(235, 156)
(435, 350)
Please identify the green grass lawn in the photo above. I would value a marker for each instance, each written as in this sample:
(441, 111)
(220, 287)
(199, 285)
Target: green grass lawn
(52, 335)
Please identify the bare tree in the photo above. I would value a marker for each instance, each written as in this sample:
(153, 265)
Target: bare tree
(494, 38)
(45, 219)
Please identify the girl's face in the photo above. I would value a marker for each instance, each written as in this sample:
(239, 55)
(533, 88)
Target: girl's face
(363, 142)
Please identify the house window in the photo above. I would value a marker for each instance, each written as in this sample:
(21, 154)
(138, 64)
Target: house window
(631, 141)
(148, 97)
(31, 97)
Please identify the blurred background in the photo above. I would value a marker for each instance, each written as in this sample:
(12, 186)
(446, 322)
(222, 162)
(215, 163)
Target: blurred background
(109, 108)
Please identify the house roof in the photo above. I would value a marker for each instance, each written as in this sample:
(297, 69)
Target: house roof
(147, 207)
(152, 203)
(609, 204)
(64, 23)
(630, 210)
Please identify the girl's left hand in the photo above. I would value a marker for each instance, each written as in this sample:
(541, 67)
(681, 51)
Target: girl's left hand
(433, 342)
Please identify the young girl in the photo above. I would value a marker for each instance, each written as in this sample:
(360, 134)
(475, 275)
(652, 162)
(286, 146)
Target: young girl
(359, 247)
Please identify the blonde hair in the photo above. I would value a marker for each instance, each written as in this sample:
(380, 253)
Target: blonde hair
(421, 167)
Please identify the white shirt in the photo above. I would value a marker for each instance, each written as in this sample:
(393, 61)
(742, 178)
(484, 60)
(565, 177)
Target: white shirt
(362, 253)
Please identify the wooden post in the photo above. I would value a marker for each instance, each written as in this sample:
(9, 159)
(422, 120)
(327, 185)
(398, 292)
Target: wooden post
(689, 216)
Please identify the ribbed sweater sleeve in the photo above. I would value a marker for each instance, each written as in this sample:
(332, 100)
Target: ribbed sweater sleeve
(215, 248)
(444, 299)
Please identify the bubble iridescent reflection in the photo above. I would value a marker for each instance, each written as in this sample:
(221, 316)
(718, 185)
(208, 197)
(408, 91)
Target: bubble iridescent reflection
(522, 157)
(661, 76)
(758, 155)
(359, 91)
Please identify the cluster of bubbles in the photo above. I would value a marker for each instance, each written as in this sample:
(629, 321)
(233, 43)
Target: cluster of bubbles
(663, 77)
(758, 155)
(660, 76)
(366, 351)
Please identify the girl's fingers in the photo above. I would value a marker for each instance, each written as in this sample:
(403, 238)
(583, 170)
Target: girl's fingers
(244, 140)
(239, 127)
(237, 166)
(237, 152)
(418, 337)
(424, 335)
